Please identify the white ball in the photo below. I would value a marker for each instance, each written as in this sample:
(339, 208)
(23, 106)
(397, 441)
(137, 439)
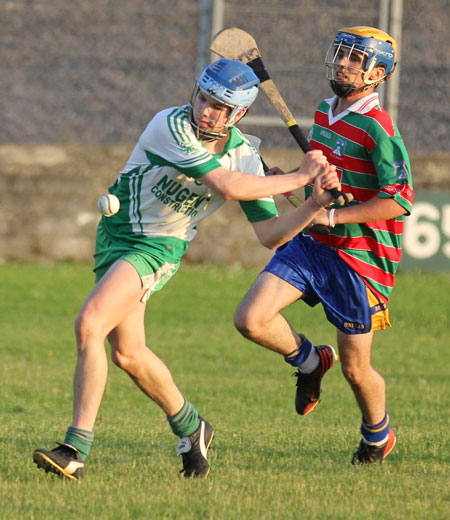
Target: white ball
(108, 205)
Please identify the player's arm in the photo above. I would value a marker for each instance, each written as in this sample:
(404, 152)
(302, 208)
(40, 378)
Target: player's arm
(373, 210)
(395, 194)
(241, 186)
(276, 231)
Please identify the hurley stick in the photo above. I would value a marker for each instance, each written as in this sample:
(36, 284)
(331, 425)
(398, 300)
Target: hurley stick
(236, 44)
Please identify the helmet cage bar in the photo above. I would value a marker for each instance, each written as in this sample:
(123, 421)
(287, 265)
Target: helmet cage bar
(332, 66)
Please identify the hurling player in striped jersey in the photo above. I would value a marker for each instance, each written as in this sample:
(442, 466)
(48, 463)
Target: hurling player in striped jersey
(189, 160)
(350, 271)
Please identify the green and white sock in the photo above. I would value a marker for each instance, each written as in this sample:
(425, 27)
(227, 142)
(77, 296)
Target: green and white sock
(185, 422)
(81, 440)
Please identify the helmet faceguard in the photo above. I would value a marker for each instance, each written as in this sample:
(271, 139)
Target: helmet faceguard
(374, 48)
(230, 83)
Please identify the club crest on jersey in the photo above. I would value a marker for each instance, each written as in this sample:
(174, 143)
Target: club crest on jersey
(339, 149)
(401, 171)
(187, 147)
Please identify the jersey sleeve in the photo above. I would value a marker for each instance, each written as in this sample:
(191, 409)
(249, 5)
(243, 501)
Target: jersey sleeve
(169, 140)
(394, 171)
(260, 209)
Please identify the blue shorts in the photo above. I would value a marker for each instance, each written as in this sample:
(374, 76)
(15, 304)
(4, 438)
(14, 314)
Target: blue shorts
(323, 277)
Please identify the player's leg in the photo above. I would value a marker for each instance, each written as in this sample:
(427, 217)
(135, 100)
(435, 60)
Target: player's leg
(369, 389)
(367, 384)
(115, 296)
(152, 376)
(130, 353)
(258, 318)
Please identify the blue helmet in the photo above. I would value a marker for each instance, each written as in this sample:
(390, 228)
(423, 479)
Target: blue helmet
(378, 48)
(230, 82)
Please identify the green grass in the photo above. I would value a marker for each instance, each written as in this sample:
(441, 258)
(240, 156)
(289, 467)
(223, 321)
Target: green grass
(267, 462)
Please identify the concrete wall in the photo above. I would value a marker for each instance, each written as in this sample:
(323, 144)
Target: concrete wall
(49, 193)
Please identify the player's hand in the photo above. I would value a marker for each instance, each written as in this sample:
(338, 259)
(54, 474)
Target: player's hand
(312, 165)
(326, 180)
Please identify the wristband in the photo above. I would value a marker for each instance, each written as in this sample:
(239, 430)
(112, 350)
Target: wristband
(316, 202)
(331, 217)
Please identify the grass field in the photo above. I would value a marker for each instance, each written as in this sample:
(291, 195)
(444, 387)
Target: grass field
(267, 462)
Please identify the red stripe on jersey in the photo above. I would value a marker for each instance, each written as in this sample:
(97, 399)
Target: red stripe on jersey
(361, 194)
(359, 165)
(383, 118)
(345, 129)
(351, 163)
(393, 226)
(315, 145)
(362, 243)
(370, 271)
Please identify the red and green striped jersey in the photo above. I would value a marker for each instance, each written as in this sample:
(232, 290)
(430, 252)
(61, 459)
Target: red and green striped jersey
(372, 161)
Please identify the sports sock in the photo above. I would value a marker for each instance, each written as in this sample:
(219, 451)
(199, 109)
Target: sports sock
(376, 434)
(305, 357)
(79, 439)
(185, 422)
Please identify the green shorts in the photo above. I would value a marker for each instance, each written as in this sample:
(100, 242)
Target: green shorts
(156, 260)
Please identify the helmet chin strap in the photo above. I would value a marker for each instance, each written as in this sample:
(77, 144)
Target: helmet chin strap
(341, 90)
(344, 90)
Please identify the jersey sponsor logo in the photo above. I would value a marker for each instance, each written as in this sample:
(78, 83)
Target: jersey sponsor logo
(178, 197)
(392, 189)
(404, 189)
(326, 134)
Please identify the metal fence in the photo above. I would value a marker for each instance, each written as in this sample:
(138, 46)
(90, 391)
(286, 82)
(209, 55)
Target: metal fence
(96, 72)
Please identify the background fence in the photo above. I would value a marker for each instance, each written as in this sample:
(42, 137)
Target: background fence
(85, 72)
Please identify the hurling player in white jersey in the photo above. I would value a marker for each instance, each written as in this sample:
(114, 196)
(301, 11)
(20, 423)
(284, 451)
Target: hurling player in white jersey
(186, 164)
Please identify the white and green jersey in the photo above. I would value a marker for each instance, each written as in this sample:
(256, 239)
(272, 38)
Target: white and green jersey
(160, 190)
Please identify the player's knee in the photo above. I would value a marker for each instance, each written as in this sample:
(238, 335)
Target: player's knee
(240, 321)
(353, 373)
(247, 323)
(86, 327)
(120, 360)
(124, 358)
